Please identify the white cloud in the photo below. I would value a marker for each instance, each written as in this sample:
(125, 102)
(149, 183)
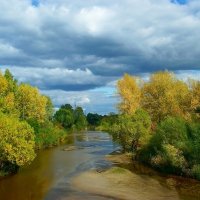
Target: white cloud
(80, 45)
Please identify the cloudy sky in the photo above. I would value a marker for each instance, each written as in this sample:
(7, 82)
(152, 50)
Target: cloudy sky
(74, 51)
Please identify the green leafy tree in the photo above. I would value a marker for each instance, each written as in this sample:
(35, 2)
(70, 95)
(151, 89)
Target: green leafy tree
(134, 130)
(79, 118)
(94, 119)
(168, 146)
(49, 109)
(65, 116)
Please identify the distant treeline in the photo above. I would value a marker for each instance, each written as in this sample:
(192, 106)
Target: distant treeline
(27, 123)
(159, 122)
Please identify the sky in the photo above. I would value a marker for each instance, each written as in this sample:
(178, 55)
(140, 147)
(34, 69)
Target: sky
(75, 51)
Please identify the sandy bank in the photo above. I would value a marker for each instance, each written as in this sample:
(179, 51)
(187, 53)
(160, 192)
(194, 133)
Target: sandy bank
(120, 183)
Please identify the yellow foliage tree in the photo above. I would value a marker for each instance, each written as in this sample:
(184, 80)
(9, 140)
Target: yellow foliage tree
(3, 85)
(130, 94)
(164, 95)
(16, 141)
(31, 104)
(7, 99)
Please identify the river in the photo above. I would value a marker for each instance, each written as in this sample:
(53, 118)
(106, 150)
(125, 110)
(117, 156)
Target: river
(49, 176)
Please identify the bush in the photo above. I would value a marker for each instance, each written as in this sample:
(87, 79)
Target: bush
(16, 142)
(134, 130)
(167, 148)
(194, 143)
(196, 171)
(49, 135)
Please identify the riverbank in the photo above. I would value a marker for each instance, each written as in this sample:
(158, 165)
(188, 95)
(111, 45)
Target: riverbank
(119, 182)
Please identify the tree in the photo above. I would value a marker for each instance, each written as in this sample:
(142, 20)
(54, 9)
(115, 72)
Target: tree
(130, 94)
(16, 142)
(94, 119)
(168, 146)
(79, 118)
(164, 96)
(134, 130)
(65, 116)
(31, 103)
(12, 83)
(49, 108)
(196, 97)
(7, 96)
(3, 85)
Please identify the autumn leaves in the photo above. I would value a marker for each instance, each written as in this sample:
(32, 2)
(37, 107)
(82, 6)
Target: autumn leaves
(163, 95)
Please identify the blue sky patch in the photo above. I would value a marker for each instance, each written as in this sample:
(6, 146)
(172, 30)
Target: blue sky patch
(180, 1)
(35, 2)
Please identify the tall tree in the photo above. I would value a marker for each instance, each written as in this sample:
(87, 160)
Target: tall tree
(130, 94)
(49, 108)
(79, 118)
(12, 83)
(3, 85)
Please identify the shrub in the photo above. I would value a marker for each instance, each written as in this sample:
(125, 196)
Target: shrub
(16, 142)
(49, 135)
(196, 171)
(167, 148)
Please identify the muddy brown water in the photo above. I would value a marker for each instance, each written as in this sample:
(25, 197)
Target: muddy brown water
(49, 176)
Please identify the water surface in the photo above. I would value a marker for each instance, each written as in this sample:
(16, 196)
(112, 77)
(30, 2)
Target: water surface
(49, 176)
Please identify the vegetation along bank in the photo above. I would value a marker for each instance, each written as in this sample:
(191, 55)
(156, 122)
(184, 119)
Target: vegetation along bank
(158, 122)
(28, 123)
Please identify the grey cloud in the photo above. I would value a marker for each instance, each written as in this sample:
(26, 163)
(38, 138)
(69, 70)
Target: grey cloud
(57, 78)
(66, 45)
(138, 36)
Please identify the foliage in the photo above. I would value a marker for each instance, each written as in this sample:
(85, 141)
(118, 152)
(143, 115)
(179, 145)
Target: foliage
(69, 118)
(25, 119)
(80, 120)
(31, 103)
(48, 135)
(130, 94)
(16, 142)
(108, 122)
(174, 147)
(171, 142)
(196, 171)
(134, 130)
(94, 119)
(65, 116)
(164, 95)
(196, 97)
(49, 109)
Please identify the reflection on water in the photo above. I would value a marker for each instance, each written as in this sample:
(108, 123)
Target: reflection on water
(48, 177)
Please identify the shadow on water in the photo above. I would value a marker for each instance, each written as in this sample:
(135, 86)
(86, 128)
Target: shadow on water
(49, 176)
